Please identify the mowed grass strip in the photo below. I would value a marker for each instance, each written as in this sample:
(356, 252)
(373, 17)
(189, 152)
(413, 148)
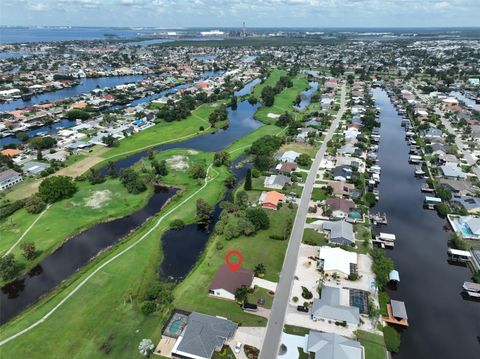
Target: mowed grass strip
(271, 80)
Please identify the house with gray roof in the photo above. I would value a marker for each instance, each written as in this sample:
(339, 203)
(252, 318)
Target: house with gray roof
(276, 181)
(332, 346)
(328, 307)
(203, 335)
(471, 204)
(452, 171)
(340, 232)
(461, 187)
(34, 168)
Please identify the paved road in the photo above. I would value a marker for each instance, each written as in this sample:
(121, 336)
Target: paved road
(271, 342)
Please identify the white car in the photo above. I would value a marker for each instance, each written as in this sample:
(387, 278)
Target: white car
(238, 347)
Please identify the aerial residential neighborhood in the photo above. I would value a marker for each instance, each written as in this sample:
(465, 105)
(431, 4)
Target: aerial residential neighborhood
(244, 180)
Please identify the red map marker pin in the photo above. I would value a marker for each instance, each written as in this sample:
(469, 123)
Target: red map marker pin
(233, 266)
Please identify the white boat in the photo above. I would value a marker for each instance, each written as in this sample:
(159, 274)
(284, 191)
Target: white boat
(472, 289)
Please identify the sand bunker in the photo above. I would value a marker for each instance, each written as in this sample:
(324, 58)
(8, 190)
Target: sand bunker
(178, 162)
(273, 115)
(97, 199)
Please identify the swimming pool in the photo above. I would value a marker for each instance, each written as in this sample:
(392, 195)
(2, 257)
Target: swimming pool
(465, 229)
(175, 326)
(355, 214)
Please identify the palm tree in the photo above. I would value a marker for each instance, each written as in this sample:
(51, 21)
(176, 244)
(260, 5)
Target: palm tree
(146, 347)
(259, 269)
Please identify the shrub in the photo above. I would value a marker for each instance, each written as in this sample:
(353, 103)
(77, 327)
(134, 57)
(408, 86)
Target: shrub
(56, 188)
(295, 299)
(29, 250)
(306, 293)
(148, 307)
(34, 204)
(258, 217)
(392, 339)
(177, 224)
(219, 245)
(8, 266)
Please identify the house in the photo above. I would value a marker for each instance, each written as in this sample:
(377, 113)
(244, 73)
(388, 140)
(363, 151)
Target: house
(9, 178)
(34, 168)
(304, 134)
(328, 307)
(276, 181)
(271, 199)
(289, 156)
(471, 204)
(11, 152)
(341, 189)
(286, 167)
(332, 346)
(452, 172)
(339, 207)
(226, 282)
(432, 133)
(461, 187)
(202, 336)
(336, 260)
(340, 232)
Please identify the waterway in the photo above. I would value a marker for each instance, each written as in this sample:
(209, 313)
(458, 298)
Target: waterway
(306, 96)
(442, 323)
(182, 248)
(85, 85)
(73, 255)
(76, 252)
(247, 89)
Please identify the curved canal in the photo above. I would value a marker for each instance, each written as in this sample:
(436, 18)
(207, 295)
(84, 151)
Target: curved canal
(77, 251)
(442, 324)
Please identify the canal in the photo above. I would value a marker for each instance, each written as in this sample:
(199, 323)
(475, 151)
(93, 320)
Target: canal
(442, 324)
(77, 251)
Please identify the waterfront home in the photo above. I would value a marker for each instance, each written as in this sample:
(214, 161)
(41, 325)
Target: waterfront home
(432, 133)
(226, 282)
(34, 168)
(339, 232)
(460, 187)
(332, 346)
(329, 307)
(9, 178)
(342, 189)
(11, 152)
(203, 335)
(471, 204)
(468, 227)
(336, 260)
(276, 181)
(289, 156)
(451, 171)
(339, 207)
(270, 200)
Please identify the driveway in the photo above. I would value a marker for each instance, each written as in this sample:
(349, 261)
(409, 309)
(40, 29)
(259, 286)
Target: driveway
(293, 342)
(247, 335)
(263, 283)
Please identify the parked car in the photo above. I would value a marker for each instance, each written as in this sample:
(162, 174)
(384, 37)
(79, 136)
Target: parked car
(238, 346)
(301, 308)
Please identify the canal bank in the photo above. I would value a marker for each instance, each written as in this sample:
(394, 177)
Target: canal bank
(442, 323)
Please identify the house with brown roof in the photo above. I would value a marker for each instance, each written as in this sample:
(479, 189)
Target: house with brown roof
(341, 189)
(339, 207)
(226, 282)
(286, 167)
(11, 152)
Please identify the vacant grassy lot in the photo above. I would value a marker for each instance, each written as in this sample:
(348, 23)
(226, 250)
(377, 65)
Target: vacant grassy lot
(299, 147)
(91, 204)
(373, 344)
(314, 238)
(192, 293)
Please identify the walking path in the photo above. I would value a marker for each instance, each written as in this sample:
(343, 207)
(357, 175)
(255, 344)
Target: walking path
(104, 264)
(26, 231)
(280, 302)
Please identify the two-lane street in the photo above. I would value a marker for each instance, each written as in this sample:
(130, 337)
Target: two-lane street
(273, 336)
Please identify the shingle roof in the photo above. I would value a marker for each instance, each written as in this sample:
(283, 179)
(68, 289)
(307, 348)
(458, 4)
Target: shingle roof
(398, 309)
(328, 306)
(230, 281)
(339, 230)
(204, 333)
(8, 174)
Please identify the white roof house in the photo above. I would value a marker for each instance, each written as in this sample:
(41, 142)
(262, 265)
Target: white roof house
(335, 259)
(289, 156)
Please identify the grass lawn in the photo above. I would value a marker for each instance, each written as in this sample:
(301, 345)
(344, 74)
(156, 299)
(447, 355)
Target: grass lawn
(261, 293)
(373, 343)
(113, 294)
(302, 354)
(53, 228)
(313, 238)
(283, 101)
(319, 194)
(192, 293)
(165, 132)
(225, 353)
(271, 80)
(299, 147)
(292, 329)
(237, 148)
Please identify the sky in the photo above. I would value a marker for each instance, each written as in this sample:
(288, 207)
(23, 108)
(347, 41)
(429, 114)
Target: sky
(231, 13)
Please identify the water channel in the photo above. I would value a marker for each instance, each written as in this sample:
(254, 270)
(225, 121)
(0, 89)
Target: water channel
(306, 96)
(27, 289)
(442, 323)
